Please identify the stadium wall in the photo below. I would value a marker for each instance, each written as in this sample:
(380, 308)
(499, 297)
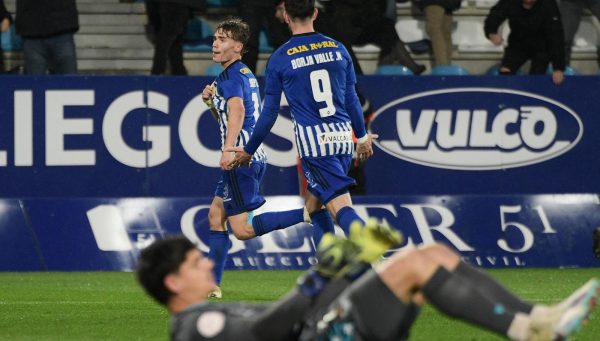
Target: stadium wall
(505, 169)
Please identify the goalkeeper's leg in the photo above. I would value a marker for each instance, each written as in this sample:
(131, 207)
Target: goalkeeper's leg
(461, 297)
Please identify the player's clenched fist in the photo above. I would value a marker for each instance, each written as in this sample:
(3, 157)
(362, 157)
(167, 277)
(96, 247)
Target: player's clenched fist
(207, 95)
(364, 150)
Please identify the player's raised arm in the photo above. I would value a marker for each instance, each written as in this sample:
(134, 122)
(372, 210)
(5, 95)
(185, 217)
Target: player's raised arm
(207, 95)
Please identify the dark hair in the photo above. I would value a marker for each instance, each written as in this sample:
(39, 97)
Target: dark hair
(300, 9)
(161, 258)
(236, 29)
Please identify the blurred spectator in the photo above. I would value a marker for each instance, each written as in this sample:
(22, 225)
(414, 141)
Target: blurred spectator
(5, 20)
(536, 34)
(360, 22)
(167, 21)
(260, 16)
(47, 29)
(571, 12)
(438, 25)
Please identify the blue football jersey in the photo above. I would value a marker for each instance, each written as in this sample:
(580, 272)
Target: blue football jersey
(238, 81)
(316, 75)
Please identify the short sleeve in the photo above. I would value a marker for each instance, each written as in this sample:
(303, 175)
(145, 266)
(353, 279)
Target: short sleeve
(231, 88)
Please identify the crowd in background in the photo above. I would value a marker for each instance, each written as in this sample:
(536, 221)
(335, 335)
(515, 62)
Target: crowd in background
(542, 31)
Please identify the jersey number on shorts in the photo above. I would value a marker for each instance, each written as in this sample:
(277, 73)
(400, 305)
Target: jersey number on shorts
(321, 89)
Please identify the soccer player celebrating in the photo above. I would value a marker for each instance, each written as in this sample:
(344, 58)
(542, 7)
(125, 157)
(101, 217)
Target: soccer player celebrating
(343, 298)
(316, 74)
(234, 100)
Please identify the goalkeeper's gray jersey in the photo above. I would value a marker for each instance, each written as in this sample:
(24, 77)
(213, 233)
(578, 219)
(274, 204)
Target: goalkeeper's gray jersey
(216, 322)
(367, 310)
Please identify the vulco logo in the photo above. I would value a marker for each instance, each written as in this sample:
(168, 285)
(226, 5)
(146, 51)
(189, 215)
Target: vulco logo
(476, 128)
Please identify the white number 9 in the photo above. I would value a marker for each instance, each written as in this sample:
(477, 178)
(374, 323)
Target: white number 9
(321, 89)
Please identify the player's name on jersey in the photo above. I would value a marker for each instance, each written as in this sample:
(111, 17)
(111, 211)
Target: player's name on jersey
(319, 58)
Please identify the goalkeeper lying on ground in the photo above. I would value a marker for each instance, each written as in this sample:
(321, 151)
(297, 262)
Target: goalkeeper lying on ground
(343, 296)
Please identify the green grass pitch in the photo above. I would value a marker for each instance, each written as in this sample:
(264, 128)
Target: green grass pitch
(110, 305)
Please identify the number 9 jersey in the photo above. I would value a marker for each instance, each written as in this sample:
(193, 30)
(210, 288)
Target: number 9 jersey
(316, 75)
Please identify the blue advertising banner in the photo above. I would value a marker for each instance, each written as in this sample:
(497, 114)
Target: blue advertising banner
(492, 135)
(488, 231)
(19, 249)
(93, 169)
(118, 137)
(154, 137)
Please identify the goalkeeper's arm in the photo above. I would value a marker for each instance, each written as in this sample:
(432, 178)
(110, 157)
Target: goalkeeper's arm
(316, 290)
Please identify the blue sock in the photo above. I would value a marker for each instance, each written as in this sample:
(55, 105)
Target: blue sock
(218, 242)
(271, 221)
(322, 223)
(345, 217)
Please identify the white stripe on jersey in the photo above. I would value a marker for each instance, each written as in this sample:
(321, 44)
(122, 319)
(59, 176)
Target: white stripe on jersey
(243, 139)
(311, 141)
(324, 139)
(336, 145)
(298, 144)
(303, 139)
(329, 147)
(341, 148)
(323, 152)
(350, 145)
(260, 154)
(222, 125)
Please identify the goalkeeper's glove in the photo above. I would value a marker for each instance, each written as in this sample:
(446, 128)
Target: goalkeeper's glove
(335, 257)
(375, 239)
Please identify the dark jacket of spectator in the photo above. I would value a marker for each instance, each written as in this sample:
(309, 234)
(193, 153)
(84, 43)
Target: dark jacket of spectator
(3, 12)
(448, 5)
(536, 29)
(193, 4)
(46, 18)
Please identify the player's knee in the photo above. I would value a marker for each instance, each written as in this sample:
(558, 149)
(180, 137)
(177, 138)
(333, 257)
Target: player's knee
(313, 204)
(244, 232)
(441, 255)
(410, 266)
(214, 220)
(437, 250)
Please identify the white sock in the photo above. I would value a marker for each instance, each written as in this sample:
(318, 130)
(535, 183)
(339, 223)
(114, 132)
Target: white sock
(540, 310)
(519, 328)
